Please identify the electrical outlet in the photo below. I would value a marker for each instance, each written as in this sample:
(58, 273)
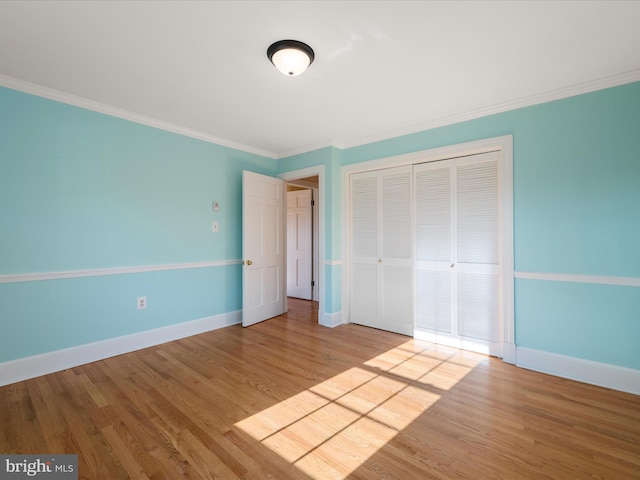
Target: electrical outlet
(142, 303)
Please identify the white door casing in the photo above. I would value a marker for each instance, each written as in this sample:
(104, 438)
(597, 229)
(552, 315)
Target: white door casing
(263, 247)
(299, 244)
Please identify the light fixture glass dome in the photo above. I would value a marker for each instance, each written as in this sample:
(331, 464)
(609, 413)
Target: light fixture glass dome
(291, 57)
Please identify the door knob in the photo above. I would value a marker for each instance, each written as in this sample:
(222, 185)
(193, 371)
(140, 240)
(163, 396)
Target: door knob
(249, 262)
(452, 265)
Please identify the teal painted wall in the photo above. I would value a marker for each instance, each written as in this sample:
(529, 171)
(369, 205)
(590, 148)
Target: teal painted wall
(82, 190)
(576, 211)
(594, 322)
(45, 316)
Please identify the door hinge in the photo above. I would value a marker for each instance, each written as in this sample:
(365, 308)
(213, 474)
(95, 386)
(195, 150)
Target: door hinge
(313, 284)
(313, 202)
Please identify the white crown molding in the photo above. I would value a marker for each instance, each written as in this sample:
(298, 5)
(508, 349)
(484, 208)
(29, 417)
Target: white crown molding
(587, 371)
(593, 279)
(559, 94)
(45, 363)
(306, 149)
(58, 96)
(35, 277)
(571, 91)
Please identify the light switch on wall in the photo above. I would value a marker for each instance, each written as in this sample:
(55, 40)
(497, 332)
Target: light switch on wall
(215, 227)
(216, 205)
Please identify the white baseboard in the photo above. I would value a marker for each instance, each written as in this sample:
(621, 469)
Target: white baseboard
(330, 319)
(509, 353)
(587, 371)
(36, 365)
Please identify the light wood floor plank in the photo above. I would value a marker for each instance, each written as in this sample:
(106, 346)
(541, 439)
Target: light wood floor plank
(288, 399)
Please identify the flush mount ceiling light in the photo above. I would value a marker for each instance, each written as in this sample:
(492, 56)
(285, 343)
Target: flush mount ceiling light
(291, 57)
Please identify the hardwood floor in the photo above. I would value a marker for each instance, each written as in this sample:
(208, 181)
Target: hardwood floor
(288, 399)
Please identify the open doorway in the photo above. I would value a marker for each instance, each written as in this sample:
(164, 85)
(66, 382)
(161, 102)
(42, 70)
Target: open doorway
(315, 174)
(303, 240)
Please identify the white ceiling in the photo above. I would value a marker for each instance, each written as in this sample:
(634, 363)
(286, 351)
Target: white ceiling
(381, 68)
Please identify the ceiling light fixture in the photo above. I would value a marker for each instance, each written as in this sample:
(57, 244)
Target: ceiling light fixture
(291, 57)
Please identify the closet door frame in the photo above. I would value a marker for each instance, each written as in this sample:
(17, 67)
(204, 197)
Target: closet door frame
(504, 145)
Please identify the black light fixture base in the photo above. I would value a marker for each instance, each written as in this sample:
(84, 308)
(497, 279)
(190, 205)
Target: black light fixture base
(282, 44)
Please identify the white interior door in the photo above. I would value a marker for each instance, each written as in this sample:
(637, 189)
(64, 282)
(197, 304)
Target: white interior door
(263, 247)
(299, 244)
(458, 255)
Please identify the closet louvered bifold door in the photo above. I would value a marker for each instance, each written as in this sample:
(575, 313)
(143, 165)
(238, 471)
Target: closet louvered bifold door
(477, 247)
(364, 248)
(457, 251)
(396, 292)
(433, 246)
(381, 256)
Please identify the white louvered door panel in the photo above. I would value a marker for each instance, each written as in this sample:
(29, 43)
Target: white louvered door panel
(364, 215)
(477, 211)
(433, 203)
(433, 300)
(364, 249)
(433, 212)
(478, 306)
(364, 294)
(395, 251)
(478, 259)
(396, 213)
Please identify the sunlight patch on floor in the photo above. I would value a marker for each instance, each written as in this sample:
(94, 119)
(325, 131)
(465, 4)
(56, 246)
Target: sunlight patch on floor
(331, 429)
(435, 365)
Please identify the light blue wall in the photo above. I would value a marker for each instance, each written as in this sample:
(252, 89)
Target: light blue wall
(40, 317)
(576, 211)
(82, 190)
(594, 322)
